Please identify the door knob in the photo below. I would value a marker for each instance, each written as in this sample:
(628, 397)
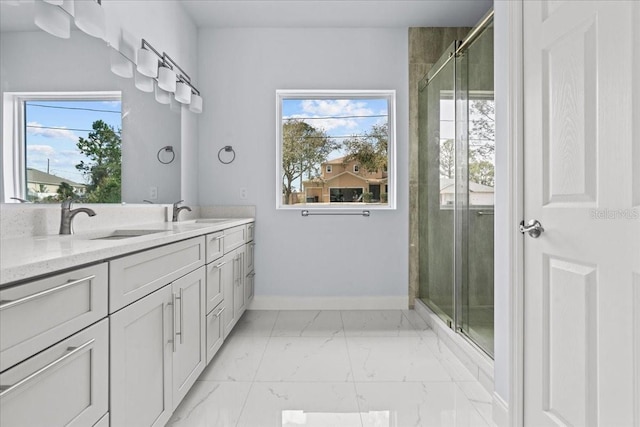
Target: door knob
(533, 227)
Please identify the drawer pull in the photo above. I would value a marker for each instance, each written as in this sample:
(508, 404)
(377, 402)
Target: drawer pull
(252, 274)
(220, 265)
(12, 303)
(217, 238)
(219, 312)
(5, 390)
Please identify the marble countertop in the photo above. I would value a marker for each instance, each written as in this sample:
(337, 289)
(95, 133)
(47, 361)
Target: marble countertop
(29, 257)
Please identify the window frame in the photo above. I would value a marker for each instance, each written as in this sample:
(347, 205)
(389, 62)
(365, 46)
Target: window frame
(388, 94)
(14, 167)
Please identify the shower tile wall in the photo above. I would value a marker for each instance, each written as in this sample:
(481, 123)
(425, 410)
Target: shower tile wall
(425, 47)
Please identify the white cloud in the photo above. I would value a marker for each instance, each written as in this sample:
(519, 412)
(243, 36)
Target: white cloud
(35, 128)
(321, 111)
(44, 150)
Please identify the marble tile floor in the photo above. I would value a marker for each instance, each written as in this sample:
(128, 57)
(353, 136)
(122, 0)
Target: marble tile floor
(334, 369)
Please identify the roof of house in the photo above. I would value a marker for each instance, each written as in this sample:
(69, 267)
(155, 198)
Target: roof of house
(39, 177)
(338, 161)
(447, 185)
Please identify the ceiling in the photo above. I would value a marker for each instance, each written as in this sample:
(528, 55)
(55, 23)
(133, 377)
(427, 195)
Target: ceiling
(336, 13)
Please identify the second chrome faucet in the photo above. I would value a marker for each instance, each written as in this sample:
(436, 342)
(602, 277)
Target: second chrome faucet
(177, 209)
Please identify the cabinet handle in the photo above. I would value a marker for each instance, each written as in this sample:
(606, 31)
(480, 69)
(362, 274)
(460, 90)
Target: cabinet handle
(219, 312)
(173, 321)
(217, 238)
(181, 315)
(5, 390)
(12, 303)
(220, 265)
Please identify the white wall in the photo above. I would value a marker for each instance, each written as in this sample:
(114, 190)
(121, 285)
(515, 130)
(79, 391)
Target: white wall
(353, 261)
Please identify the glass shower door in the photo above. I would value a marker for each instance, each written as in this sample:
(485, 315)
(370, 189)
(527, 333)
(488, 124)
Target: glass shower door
(436, 194)
(475, 198)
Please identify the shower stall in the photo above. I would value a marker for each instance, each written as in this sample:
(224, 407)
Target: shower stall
(456, 186)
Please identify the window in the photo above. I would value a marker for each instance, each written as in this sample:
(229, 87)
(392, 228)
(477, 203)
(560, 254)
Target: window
(335, 149)
(65, 145)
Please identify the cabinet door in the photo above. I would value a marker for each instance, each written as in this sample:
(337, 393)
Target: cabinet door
(215, 332)
(249, 287)
(189, 357)
(251, 231)
(249, 253)
(215, 281)
(140, 359)
(228, 287)
(65, 385)
(238, 278)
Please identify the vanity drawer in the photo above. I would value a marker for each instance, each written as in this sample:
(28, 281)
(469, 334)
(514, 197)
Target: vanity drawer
(250, 250)
(251, 231)
(134, 276)
(35, 315)
(234, 238)
(65, 385)
(215, 246)
(215, 331)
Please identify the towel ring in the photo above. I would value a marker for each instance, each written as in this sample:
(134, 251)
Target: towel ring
(168, 149)
(227, 149)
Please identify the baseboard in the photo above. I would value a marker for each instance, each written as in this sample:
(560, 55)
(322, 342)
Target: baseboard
(500, 411)
(329, 303)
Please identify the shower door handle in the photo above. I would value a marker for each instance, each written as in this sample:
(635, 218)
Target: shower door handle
(533, 227)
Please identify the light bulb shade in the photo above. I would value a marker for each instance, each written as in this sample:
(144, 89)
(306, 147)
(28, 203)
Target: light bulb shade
(162, 96)
(196, 104)
(120, 66)
(144, 83)
(54, 2)
(166, 79)
(147, 63)
(52, 19)
(183, 93)
(89, 17)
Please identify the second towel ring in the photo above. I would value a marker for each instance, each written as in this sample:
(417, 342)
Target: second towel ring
(168, 149)
(227, 149)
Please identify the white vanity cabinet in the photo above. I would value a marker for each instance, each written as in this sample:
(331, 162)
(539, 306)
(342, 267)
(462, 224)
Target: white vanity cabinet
(158, 346)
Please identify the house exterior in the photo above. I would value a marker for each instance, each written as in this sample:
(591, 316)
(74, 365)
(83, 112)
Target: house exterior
(479, 194)
(42, 184)
(343, 181)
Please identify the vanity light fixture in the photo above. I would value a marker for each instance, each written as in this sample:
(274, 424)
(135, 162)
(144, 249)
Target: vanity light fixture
(196, 103)
(89, 17)
(162, 96)
(143, 83)
(52, 19)
(147, 62)
(166, 78)
(183, 92)
(120, 64)
(54, 2)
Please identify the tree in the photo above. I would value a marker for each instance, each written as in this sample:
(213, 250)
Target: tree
(447, 158)
(482, 172)
(103, 171)
(304, 148)
(65, 191)
(370, 149)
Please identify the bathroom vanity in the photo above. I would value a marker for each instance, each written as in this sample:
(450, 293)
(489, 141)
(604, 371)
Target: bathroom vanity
(114, 328)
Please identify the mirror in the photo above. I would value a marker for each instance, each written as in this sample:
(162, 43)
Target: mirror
(33, 61)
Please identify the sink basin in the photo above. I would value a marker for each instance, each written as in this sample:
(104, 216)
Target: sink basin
(210, 220)
(126, 234)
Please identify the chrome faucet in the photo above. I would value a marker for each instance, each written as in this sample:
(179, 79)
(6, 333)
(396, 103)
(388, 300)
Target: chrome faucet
(176, 210)
(66, 218)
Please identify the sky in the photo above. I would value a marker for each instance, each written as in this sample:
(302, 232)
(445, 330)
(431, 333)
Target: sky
(53, 129)
(338, 117)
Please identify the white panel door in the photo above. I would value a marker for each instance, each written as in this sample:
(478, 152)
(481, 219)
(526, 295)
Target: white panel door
(582, 182)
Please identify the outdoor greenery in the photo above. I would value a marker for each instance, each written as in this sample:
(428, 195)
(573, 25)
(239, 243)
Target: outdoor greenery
(103, 170)
(305, 148)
